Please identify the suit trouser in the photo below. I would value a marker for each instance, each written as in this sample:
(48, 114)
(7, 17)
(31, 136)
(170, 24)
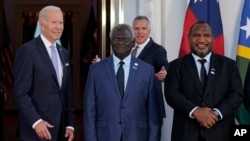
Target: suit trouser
(61, 132)
(201, 136)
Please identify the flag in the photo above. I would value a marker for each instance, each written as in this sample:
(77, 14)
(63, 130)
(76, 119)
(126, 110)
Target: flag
(208, 11)
(243, 57)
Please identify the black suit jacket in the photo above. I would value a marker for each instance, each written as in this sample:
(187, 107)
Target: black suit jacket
(155, 55)
(183, 92)
(37, 91)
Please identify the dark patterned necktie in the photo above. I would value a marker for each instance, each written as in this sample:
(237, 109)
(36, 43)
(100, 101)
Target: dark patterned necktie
(120, 78)
(203, 73)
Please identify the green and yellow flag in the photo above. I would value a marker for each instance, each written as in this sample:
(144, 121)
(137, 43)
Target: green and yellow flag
(243, 57)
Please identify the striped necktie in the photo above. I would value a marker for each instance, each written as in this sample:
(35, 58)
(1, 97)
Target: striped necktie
(134, 52)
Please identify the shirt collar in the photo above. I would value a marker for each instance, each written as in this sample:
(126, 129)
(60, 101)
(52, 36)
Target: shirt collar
(126, 60)
(46, 42)
(143, 44)
(207, 57)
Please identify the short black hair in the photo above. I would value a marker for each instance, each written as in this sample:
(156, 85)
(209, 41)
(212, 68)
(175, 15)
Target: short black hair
(199, 22)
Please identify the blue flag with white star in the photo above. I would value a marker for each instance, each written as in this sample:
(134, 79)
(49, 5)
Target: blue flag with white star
(243, 57)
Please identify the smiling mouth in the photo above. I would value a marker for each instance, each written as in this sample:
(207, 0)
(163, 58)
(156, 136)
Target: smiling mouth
(201, 46)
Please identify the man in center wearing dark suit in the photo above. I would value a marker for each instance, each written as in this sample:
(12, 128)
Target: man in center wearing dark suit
(150, 52)
(204, 103)
(130, 113)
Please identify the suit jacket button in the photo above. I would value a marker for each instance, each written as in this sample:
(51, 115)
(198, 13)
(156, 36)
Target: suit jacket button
(203, 103)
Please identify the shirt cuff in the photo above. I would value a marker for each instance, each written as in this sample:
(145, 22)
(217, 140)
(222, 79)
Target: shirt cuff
(220, 115)
(70, 127)
(34, 124)
(191, 113)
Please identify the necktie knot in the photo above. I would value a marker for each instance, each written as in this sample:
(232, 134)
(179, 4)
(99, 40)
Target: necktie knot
(202, 61)
(53, 46)
(121, 63)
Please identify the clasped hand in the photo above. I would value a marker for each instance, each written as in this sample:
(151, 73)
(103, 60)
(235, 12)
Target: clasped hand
(205, 117)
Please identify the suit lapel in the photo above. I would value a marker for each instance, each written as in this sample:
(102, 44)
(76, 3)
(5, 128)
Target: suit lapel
(45, 56)
(63, 63)
(109, 65)
(212, 74)
(144, 52)
(192, 71)
(133, 72)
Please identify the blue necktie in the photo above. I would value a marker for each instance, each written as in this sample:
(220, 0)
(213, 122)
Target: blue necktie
(55, 62)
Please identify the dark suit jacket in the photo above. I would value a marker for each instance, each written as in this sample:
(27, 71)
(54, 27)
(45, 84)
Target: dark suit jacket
(155, 55)
(37, 91)
(183, 92)
(107, 116)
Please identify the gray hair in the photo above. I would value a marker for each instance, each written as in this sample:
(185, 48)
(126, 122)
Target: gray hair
(124, 27)
(42, 13)
(142, 18)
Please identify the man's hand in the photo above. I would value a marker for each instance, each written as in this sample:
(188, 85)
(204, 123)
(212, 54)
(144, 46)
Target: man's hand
(206, 117)
(42, 130)
(69, 133)
(96, 59)
(161, 75)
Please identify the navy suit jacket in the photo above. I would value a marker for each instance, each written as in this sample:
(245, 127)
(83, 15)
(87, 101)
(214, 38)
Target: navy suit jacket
(108, 117)
(183, 93)
(37, 91)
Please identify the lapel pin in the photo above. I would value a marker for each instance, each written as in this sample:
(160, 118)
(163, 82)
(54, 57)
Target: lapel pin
(135, 66)
(212, 71)
(67, 64)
